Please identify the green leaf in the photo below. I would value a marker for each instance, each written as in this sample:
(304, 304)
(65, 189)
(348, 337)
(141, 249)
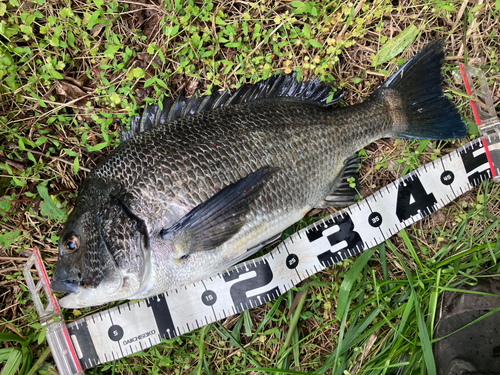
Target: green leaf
(55, 74)
(13, 362)
(48, 206)
(76, 312)
(396, 45)
(97, 147)
(476, 8)
(171, 30)
(5, 202)
(115, 98)
(247, 323)
(159, 82)
(8, 30)
(162, 56)
(351, 15)
(301, 7)
(315, 43)
(4, 354)
(219, 21)
(27, 142)
(111, 50)
(233, 45)
(152, 48)
(40, 141)
(41, 336)
(58, 31)
(70, 152)
(7, 336)
(150, 81)
(235, 334)
(18, 182)
(27, 30)
(5, 241)
(66, 12)
(71, 39)
(297, 4)
(350, 278)
(423, 333)
(41, 103)
(84, 138)
(135, 73)
(76, 165)
(307, 31)
(451, 8)
(31, 157)
(30, 19)
(3, 8)
(299, 73)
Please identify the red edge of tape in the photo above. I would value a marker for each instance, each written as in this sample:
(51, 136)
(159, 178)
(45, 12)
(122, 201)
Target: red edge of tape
(56, 307)
(488, 155)
(478, 121)
(474, 109)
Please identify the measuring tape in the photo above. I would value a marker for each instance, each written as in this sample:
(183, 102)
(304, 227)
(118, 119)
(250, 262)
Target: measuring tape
(132, 327)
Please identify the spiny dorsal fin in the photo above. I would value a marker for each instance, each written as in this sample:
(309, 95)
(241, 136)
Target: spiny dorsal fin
(279, 86)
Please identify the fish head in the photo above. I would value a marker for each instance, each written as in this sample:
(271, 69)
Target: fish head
(102, 257)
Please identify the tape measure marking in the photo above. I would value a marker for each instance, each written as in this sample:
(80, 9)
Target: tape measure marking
(132, 327)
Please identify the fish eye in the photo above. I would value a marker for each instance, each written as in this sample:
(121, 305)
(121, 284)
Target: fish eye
(72, 244)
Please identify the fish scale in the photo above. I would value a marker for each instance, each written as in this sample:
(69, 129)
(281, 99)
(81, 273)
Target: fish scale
(217, 164)
(279, 204)
(207, 181)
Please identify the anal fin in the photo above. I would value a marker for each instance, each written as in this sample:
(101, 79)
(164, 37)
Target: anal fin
(341, 193)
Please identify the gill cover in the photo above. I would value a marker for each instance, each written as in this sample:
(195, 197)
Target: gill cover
(109, 260)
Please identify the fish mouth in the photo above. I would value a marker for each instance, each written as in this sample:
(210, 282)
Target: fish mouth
(85, 297)
(82, 294)
(65, 286)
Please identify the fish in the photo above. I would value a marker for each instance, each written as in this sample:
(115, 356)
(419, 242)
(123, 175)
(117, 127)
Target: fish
(204, 182)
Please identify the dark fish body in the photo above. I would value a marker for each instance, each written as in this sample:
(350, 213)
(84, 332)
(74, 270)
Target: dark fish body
(216, 177)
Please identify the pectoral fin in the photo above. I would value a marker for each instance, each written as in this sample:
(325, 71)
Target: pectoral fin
(219, 218)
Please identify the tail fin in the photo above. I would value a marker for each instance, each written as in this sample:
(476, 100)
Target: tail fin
(429, 113)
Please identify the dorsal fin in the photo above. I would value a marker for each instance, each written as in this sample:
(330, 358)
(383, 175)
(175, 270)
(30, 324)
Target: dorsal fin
(279, 86)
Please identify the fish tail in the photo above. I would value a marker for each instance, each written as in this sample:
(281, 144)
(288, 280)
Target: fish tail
(426, 112)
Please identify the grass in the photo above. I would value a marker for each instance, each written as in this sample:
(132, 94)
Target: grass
(71, 71)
